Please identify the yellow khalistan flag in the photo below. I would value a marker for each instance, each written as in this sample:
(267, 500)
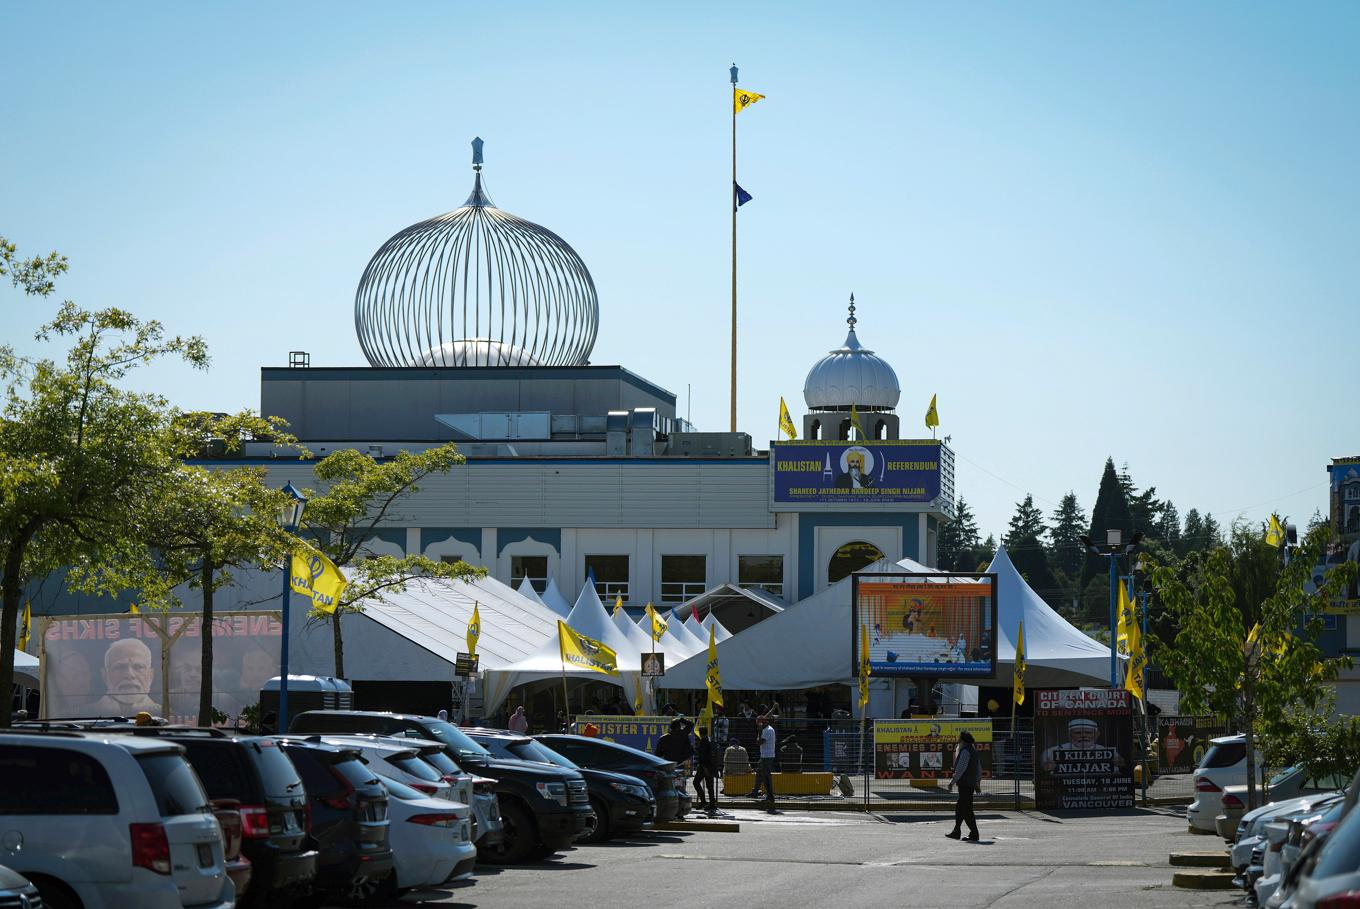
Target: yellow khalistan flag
(712, 677)
(316, 577)
(863, 666)
(1019, 694)
(1275, 532)
(1133, 679)
(854, 421)
(658, 623)
(618, 606)
(742, 99)
(587, 653)
(474, 631)
(25, 626)
(637, 701)
(1125, 620)
(932, 415)
(785, 421)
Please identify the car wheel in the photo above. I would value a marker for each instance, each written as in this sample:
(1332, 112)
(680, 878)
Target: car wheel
(520, 835)
(56, 894)
(601, 831)
(365, 891)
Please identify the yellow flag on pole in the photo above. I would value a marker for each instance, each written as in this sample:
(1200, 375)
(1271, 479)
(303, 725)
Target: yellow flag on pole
(587, 653)
(316, 577)
(1133, 678)
(1019, 694)
(742, 99)
(474, 631)
(863, 666)
(657, 622)
(25, 626)
(854, 421)
(618, 606)
(712, 677)
(932, 415)
(637, 701)
(1125, 620)
(133, 610)
(785, 421)
(1275, 532)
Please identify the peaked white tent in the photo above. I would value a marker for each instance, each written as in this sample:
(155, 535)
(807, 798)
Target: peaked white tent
(678, 646)
(686, 634)
(587, 617)
(696, 628)
(720, 633)
(526, 589)
(553, 599)
(809, 643)
(25, 669)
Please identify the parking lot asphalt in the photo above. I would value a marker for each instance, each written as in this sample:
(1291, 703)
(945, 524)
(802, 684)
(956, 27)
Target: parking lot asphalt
(822, 859)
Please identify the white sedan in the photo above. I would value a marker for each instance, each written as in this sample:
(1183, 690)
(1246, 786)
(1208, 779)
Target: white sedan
(431, 842)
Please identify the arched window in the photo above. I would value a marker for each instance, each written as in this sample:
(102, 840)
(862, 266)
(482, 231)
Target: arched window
(815, 430)
(881, 429)
(843, 431)
(851, 558)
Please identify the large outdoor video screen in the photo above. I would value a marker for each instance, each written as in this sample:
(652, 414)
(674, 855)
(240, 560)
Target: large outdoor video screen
(934, 625)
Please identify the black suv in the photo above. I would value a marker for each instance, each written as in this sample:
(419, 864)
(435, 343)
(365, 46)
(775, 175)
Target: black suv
(348, 807)
(273, 805)
(622, 803)
(543, 808)
(657, 773)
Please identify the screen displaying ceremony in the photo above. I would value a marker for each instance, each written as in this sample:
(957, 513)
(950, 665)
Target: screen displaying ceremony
(927, 625)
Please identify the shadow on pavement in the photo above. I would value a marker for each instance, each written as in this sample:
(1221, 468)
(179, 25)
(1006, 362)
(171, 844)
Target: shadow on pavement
(918, 817)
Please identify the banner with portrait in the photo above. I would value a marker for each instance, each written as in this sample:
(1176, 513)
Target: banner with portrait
(873, 470)
(924, 749)
(1182, 741)
(931, 624)
(1083, 748)
(121, 665)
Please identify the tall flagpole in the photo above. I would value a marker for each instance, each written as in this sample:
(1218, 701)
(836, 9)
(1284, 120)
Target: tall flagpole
(733, 194)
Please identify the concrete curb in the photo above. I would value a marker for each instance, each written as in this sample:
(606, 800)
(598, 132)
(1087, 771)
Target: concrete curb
(707, 826)
(1203, 880)
(1218, 860)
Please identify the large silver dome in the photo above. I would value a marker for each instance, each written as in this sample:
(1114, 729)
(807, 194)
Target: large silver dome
(476, 287)
(851, 375)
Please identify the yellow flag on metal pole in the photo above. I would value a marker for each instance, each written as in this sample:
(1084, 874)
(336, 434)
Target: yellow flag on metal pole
(854, 421)
(1018, 696)
(637, 701)
(863, 666)
(474, 630)
(712, 677)
(1125, 620)
(618, 606)
(786, 421)
(1275, 532)
(25, 626)
(585, 653)
(657, 622)
(316, 577)
(1133, 678)
(932, 415)
(742, 99)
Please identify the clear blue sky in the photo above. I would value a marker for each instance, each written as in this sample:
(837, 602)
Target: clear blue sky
(1093, 229)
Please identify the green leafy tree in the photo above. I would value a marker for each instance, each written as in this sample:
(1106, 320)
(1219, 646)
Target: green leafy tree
(1240, 649)
(79, 454)
(358, 500)
(957, 538)
(1111, 512)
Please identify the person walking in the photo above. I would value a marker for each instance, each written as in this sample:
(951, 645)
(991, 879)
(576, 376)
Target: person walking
(519, 722)
(764, 775)
(968, 777)
(706, 769)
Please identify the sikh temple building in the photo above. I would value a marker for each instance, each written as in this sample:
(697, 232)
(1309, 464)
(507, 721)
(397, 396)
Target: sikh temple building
(478, 327)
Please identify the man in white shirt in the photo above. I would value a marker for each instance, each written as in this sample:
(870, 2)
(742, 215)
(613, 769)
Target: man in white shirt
(764, 777)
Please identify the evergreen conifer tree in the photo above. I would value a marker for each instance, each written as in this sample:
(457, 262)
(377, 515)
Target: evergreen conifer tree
(1064, 540)
(1111, 512)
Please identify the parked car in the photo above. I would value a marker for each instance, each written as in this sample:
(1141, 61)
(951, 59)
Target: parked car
(1251, 830)
(400, 762)
(431, 839)
(17, 890)
(1329, 873)
(1282, 848)
(622, 803)
(1290, 783)
(228, 814)
(1224, 764)
(658, 774)
(110, 822)
(1305, 835)
(254, 773)
(349, 826)
(542, 808)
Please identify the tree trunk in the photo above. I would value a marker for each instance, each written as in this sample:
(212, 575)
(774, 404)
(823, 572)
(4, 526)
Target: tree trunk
(205, 685)
(1249, 731)
(9, 616)
(339, 645)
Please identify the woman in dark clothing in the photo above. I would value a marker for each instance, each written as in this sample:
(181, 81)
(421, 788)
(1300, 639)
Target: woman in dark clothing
(967, 776)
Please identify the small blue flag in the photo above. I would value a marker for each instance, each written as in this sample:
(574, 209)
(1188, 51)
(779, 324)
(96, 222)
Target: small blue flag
(742, 195)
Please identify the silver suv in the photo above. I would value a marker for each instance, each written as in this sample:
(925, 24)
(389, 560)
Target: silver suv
(109, 822)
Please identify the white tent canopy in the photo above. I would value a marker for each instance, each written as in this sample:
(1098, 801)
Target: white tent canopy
(698, 629)
(678, 646)
(25, 669)
(809, 643)
(720, 633)
(526, 589)
(587, 617)
(553, 599)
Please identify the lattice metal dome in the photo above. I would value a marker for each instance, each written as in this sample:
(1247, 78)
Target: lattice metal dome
(851, 375)
(476, 287)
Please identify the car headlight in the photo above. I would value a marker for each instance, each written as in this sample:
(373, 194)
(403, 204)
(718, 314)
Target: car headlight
(553, 792)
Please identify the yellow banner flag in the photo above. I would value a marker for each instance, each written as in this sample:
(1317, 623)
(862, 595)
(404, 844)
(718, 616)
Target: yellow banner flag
(637, 701)
(742, 99)
(657, 622)
(712, 677)
(587, 653)
(474, 631)
(785, 421)
(618, 606)
(854, 421)
(133, 610)
(1133, 678)
(315, 577)
(863, 666)
(1275, 532)
(1125, 620)
(932, 415)
(1019, 694)
(25, 626)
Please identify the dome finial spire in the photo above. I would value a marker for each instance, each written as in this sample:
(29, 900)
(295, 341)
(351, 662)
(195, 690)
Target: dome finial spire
(479, 198)
(477, 153)
(851, 320)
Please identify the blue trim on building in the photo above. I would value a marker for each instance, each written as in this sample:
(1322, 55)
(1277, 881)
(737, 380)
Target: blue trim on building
(394, 535)
(470, 535)
(507, 535)
(808, 522)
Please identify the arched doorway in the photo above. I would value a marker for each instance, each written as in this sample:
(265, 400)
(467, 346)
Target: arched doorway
(851, 558)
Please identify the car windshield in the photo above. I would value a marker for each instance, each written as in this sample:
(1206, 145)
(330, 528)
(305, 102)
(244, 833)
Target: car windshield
(1283, 776)
(400, 790)
(409, 763)
(452, 735)
(530, 750)
(1341, 854)
(174, 783)
(441, 762)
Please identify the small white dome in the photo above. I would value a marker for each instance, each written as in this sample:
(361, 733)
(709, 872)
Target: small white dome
(851, 375)
(475, 352)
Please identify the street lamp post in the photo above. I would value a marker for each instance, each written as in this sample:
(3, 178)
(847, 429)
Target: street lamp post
(1112, 549)
(290, 519)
